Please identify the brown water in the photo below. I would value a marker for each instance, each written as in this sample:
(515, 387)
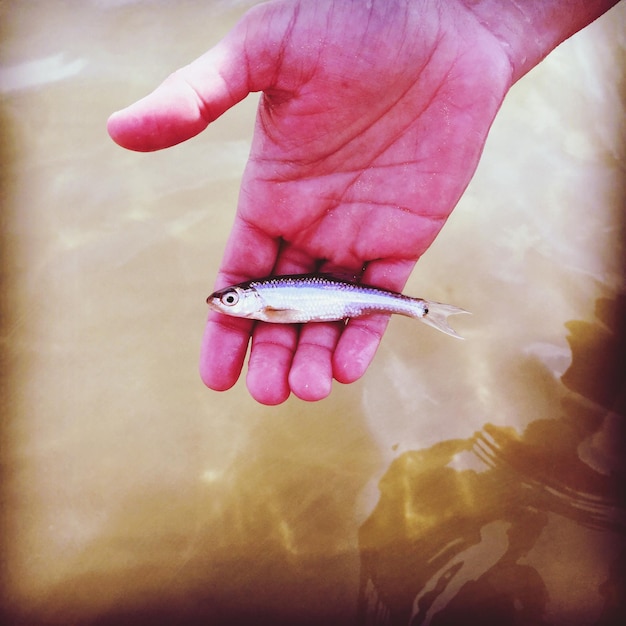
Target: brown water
(457, 481)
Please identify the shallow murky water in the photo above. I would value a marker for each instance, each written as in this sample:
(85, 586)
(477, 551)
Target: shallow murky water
(481, 478)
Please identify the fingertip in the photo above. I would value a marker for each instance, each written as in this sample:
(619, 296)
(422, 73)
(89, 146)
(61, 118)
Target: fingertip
(270, 360)
(112, 124)
(223, 351)
(270, 390)
(168, 116)
(186, 102)
(217, 378)
(311, 380)
(267, 376)
(216, 384)
(360, 339)
(349, 365)
(311, 374)
(120, 129)
(356, 348)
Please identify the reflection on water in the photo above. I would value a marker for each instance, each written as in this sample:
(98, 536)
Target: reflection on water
(516, 529)
(132, 495)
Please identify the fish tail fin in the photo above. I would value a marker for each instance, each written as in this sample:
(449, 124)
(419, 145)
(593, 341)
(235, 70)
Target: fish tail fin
(436, 315)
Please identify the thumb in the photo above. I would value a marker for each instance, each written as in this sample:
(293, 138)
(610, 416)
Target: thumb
(187, 101)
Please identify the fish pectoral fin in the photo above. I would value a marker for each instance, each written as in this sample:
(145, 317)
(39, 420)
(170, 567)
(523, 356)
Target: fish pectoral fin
(278, 316)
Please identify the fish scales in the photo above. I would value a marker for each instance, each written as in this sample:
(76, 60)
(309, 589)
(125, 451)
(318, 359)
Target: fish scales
(307, 298)
(325, 299)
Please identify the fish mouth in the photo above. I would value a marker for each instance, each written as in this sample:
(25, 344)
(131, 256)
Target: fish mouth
(214, 303)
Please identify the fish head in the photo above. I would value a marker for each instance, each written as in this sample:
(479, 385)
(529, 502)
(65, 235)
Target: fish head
(237, 301)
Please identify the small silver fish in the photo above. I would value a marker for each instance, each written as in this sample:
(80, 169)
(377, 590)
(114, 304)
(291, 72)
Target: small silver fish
(320, 298)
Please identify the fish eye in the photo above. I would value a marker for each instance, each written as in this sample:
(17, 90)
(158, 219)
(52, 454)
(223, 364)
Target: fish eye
(230, 298)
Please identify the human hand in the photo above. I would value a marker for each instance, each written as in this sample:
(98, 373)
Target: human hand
(372, 121)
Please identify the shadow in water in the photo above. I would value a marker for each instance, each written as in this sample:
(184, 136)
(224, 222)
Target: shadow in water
(492, 527)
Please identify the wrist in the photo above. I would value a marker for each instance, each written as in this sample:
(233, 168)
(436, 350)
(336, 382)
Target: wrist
(529, 30)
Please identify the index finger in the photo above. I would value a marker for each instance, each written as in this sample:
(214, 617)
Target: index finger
(225, 339)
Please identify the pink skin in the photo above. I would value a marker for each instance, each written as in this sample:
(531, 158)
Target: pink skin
(371, 126)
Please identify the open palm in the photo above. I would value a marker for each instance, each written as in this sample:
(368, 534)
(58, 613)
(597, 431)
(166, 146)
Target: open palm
(372, 121)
